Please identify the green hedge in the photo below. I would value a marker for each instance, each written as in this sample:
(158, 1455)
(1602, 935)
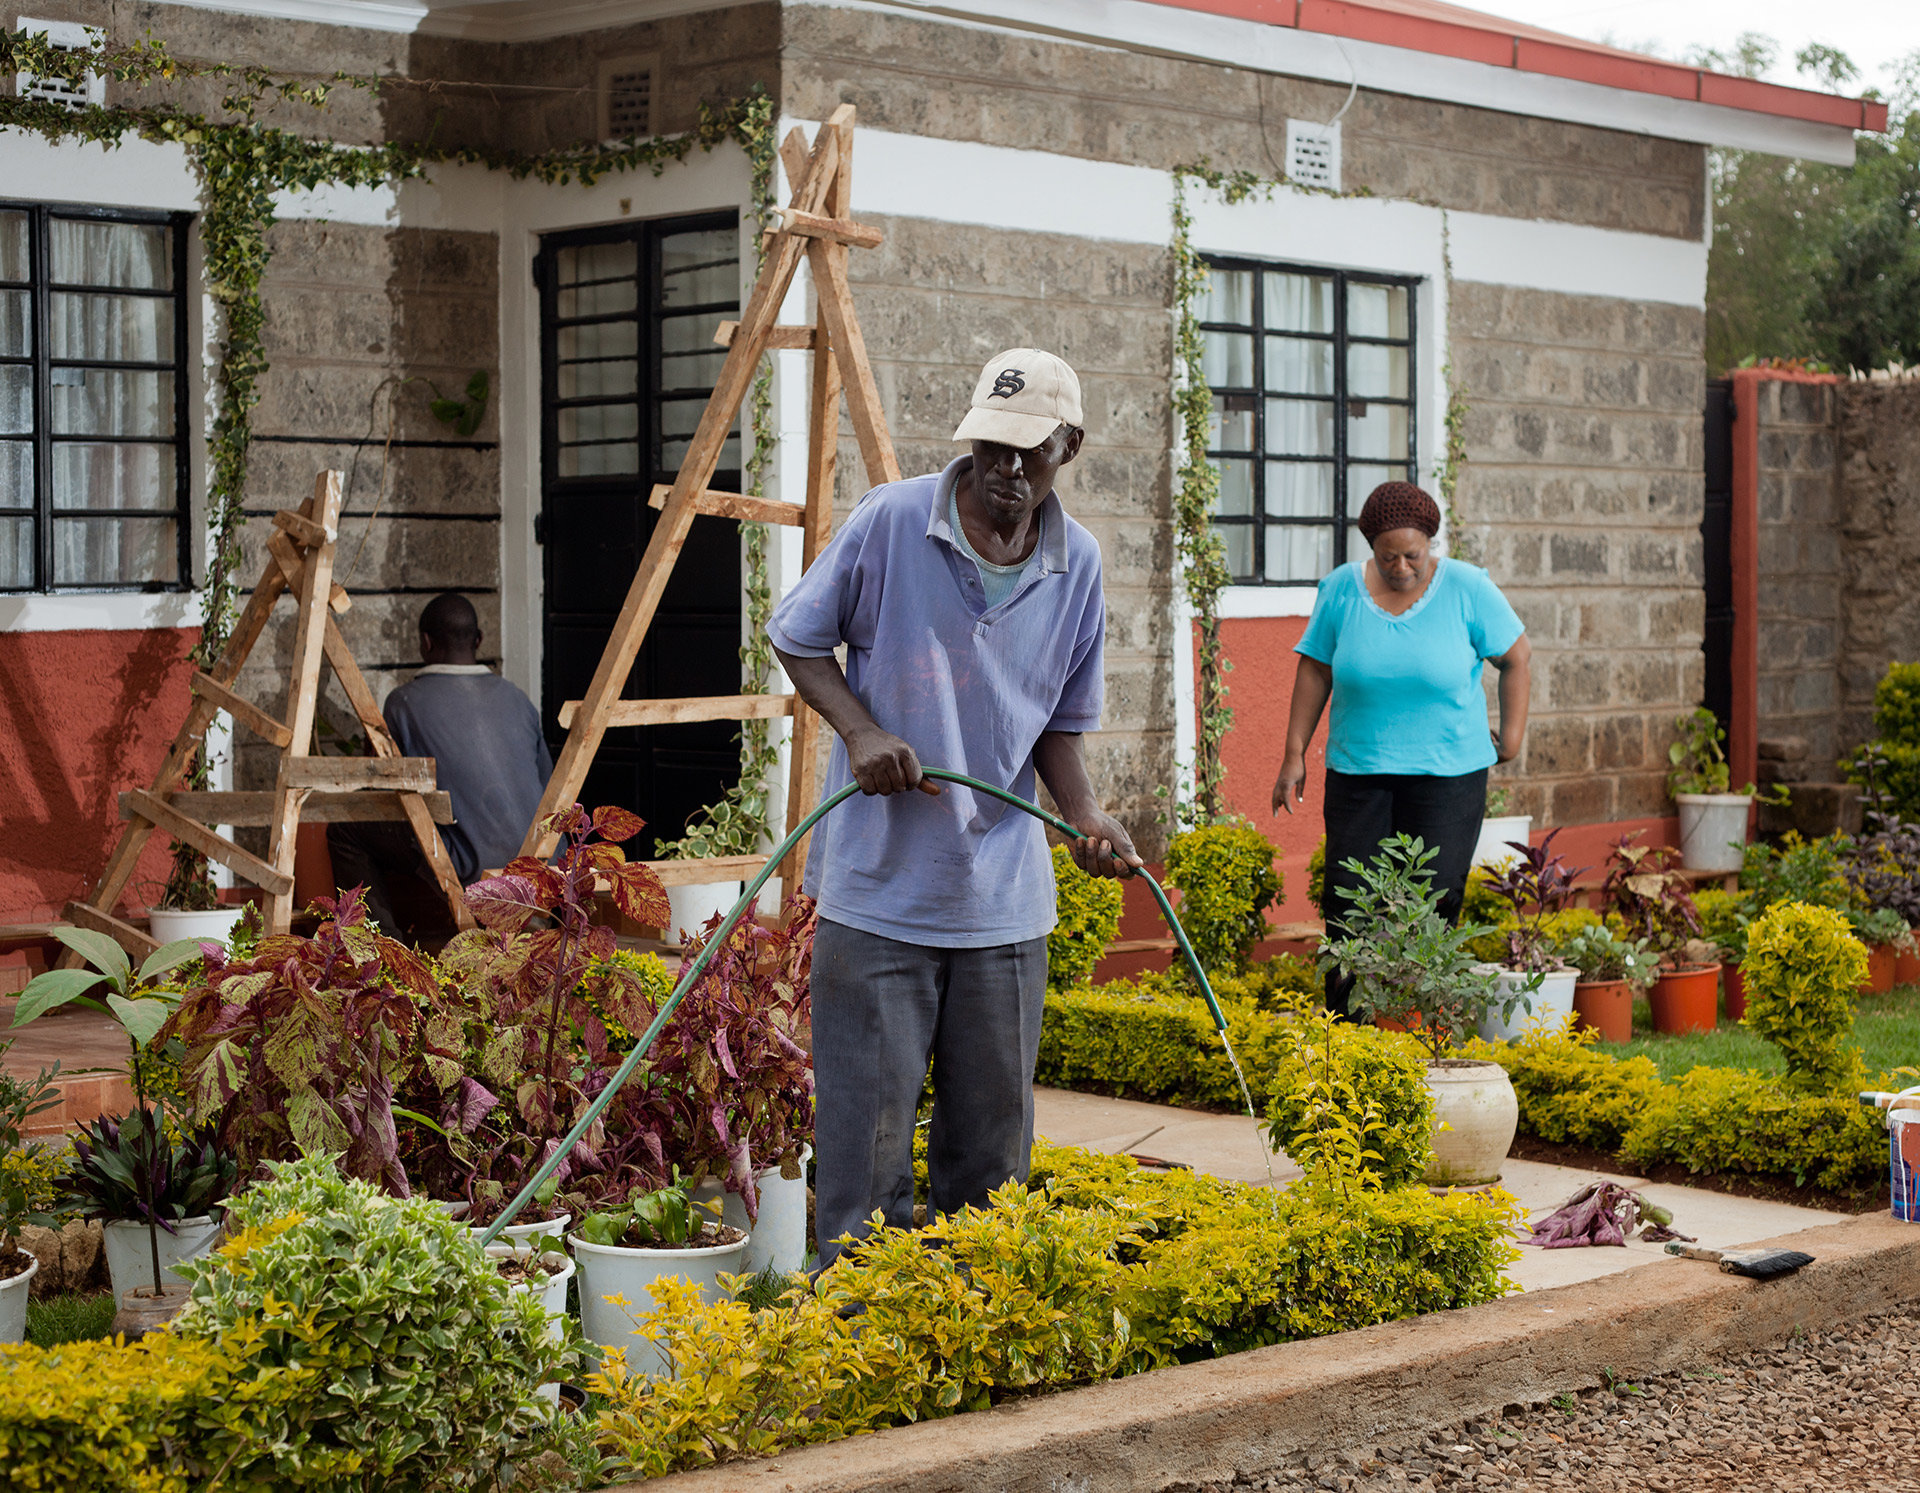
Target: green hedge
(1101, 1269)
(1153, 1040)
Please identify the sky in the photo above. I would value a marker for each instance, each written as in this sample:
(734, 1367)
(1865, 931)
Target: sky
(1874, 33)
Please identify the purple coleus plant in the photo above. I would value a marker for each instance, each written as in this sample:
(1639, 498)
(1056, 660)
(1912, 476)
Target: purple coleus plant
(1536, 883)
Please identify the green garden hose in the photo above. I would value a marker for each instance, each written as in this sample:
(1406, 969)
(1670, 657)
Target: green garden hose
(692, 972)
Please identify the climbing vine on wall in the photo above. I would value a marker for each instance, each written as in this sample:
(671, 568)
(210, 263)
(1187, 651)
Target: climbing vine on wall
(241, 163)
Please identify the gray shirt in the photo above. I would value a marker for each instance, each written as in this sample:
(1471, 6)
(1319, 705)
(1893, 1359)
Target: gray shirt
(484, 734)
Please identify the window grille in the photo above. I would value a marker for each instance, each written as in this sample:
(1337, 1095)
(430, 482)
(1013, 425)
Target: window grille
(65, 36)
(626, 97)
(1313, 154)
(1313, 379)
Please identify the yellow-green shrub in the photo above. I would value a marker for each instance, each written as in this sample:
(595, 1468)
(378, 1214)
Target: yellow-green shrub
(1802, 967)
(1558, 927)
(656, 981)
(1317, 877)
(1282, 983)
(1568, 1092)
(1088, 909)
(1227, 882)
(1341, 1088)
(1732, 1120)
(1152, 1038)
(1720, 924)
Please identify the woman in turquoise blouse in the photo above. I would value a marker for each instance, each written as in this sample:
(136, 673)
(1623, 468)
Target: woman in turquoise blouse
(1397, 642)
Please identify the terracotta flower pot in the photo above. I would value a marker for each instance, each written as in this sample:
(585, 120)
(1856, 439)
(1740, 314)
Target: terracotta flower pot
(1686, 999)
(1906, 967)
(1736, 988)
(1881, 960)
(1606, 1006)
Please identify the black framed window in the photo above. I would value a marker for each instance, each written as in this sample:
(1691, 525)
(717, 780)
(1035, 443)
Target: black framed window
(1313, 381)
(93, 349)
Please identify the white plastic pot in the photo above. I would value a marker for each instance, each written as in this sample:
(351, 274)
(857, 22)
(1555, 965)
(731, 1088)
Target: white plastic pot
(13, 1301)
(613, 1270)
(1475, 1115)
(168, 924)
(130, 1257)
(691, 906)
(1713, 830)
(553, 1298)
(519, 1233)
(778, 1238)
(1552, 1000)
(1492, 847)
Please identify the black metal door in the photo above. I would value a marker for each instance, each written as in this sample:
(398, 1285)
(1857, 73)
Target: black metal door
(1716, 542)
(627, 361)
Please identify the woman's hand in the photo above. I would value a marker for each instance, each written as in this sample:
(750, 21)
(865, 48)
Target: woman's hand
(1291, 785)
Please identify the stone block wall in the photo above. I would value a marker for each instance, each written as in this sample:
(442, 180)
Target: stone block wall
(1800, 570)
(1582, 494)
(1879, 499)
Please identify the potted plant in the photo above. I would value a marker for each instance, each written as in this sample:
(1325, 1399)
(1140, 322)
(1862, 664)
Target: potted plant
(1713, 821)
(141, 1005)
(189, 903)
(153, 1194)
(1882, 866)
(622, 1251)
(1611, 970)
(20, 1101)
(1654, 901)
(1536, 884)
(1500, 830)
(1724, 919)
(539, 1266)
(1409, 967)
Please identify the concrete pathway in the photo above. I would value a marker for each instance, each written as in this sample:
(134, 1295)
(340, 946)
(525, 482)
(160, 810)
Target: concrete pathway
(1234, 1147)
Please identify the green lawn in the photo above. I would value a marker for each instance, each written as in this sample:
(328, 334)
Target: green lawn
(69, 1319)
(1887, 1028)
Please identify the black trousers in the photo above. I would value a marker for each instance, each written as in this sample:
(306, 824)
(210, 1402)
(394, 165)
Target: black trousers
(402, 895)
(1364, 809)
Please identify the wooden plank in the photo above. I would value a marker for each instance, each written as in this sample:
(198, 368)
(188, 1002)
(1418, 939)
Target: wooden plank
(670, 533)
(829, 263)
(693, 708)
(795, 157)
(716, 868)
(788, 339)
(831, 230)
(436, 853)
(292, 567)
(823, 454)
(304, 529)
(137, 944)
(359, 696)
(254, 810)
(241, 709)
(164, 816)
(735, 505)
(345, 774)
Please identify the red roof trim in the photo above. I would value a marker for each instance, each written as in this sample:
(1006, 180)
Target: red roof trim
(1445, 30)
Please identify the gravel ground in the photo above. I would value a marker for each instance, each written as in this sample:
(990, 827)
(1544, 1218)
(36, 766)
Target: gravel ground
(1828, 1414)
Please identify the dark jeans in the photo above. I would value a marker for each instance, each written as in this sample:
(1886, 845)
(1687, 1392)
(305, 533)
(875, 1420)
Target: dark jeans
(1363, 809)
(402, 895)
(880, 1009)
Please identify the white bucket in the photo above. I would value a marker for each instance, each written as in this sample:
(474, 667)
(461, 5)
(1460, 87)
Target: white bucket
(1713, 830)
(691, 906)
(1493, 845)
(130, 1253)
(1552, 1001)
(778, 1238)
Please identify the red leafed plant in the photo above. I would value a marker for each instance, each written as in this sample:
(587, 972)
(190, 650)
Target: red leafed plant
(726, 1091)
(304, 1044)
(1653, 897)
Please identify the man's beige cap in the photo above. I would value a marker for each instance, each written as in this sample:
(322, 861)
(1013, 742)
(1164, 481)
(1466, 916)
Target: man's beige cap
(1023, 394)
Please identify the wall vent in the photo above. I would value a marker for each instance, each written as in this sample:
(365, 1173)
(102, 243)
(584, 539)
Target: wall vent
(66, 36)
(626, 96)
(1313, 154)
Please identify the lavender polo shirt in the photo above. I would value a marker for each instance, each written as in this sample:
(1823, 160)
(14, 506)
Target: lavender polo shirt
(967, 687)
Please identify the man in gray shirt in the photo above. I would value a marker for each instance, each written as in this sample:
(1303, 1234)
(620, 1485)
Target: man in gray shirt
(484, 734)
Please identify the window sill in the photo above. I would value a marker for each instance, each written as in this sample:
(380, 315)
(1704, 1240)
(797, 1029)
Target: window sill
(1242, 602)
(100, 611)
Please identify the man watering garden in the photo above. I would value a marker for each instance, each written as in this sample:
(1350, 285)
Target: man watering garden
(970, 607)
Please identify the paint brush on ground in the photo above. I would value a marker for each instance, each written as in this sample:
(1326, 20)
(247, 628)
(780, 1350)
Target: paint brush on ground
(1759, 1264)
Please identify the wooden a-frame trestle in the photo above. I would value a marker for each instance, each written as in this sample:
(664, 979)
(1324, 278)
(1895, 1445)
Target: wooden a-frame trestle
(814, 224)
(385, 786)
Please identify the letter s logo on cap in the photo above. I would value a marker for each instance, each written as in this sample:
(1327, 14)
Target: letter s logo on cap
(1007, 383)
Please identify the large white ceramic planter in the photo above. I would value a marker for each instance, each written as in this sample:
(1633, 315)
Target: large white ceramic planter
(130, 1258)
(1492, 847)
(778, 1238)
(168, 924)
(611, 1270)
(13, 1302)
(1713, 830)
(1552, 1001)
(693, 905)
(553, 1298)
(1475, 1116)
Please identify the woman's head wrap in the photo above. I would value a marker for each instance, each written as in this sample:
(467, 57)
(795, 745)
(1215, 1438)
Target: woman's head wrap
(1398, 505)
